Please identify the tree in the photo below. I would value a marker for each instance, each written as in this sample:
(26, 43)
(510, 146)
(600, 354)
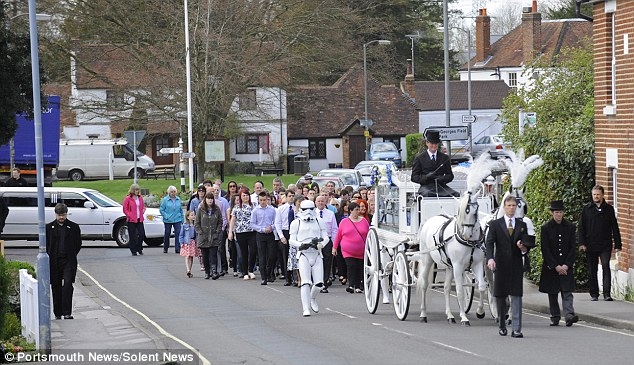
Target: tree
(563, 98)
(16, 93)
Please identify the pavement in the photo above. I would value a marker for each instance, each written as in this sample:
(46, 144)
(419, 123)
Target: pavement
(97, 326)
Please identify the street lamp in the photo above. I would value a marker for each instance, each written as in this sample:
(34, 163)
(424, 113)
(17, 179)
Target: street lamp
(190, 138)
(367, 123)
(468, 31)
(43, 273)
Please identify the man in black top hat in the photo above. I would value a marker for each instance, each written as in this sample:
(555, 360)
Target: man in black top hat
(559, 251)
(432, 169)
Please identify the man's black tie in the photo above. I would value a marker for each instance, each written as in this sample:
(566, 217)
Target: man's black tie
(433, 157)
(321, 214)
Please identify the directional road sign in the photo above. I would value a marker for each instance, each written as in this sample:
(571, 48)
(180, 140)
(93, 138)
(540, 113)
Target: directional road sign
(451, 133)
(189, 155)
(469, 119)
(171, 150)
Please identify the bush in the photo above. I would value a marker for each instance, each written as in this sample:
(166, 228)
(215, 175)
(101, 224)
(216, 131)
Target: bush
(5, 285)
(12, 326)
(414, 145)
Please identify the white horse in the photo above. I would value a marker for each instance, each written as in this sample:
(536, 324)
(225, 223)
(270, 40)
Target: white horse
(456, 245)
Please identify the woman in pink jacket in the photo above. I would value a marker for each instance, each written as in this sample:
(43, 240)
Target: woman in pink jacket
(133, 208)
(351, 236)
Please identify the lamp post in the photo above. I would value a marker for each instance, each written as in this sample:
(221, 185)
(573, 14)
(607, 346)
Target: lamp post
(367, 123)
(412, 37)
(468, 31)
(190, 138)
(43, 273)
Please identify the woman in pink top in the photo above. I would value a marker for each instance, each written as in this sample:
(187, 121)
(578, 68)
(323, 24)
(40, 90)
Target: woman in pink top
(351, 236)
(133, 208)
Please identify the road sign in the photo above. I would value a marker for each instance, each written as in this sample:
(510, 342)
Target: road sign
(130, 136)
(469, 119)
(189, 155)
(366, 133)
(451, 133)
(171, 150)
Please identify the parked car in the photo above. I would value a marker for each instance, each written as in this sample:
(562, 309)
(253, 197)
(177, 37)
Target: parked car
(350, 177)
(98, 216)
(322, 180)
(365, 167)
(386, 151)
(494, 144)
(460, 150)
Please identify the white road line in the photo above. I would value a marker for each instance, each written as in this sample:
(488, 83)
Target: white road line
(156, 325)
(456, 349)
(341, 313)
(587, 325)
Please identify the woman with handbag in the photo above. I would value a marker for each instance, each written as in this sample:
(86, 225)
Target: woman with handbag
(351, 237)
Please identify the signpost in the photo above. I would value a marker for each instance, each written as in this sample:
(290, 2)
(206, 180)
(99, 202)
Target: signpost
(469, 119)
(167, 150)
(451, 133)
(189, 155)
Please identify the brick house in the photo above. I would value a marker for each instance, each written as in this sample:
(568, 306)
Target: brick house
(512, 54)
(323, 121)
(613, 116)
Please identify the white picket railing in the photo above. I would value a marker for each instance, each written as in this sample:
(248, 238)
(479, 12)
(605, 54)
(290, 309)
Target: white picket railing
(29, 311)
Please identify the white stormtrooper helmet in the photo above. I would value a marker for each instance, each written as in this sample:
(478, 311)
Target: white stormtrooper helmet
(307, 211)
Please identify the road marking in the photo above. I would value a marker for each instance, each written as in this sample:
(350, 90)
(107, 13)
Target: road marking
(587, 325)
(274, 289)
(150, 321)
(341, 313)
(457, 349)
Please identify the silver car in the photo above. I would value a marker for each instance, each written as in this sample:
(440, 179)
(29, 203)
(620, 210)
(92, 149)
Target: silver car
(493, 144)
(349, 177)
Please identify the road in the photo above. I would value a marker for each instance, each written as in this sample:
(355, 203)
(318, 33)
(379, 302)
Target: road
(233, 321)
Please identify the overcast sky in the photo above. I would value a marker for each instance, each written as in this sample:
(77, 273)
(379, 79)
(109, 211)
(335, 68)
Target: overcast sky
(467, 5)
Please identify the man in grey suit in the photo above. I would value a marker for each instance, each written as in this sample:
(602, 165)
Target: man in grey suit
(506, 245)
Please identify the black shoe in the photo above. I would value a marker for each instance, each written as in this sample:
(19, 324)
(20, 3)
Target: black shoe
(215, 276)
(555, 321)
(141, 253)
(572, 319)
(594, 299)
(164, 251)
(223, 273)
(328, 283)
(517, 335)
(271, 279)
(324, 290)
(295, 283)
(68, 317)
(350, 290)
(263, 282)
(207, 276)
(133, 253)
(288, 283)
(58, 317)
(608, 299)
(502, 332)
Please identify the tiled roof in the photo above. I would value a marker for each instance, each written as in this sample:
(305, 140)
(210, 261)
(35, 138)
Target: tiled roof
(430, 95)
(326, 111)
(555, 34)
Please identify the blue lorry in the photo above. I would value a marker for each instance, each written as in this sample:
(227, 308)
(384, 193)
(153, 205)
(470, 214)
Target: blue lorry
(24, 145)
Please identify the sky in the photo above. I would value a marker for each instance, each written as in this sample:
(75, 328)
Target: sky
(466, 5)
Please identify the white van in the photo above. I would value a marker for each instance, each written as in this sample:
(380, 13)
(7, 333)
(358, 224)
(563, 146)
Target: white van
(99, 217)
(80, 159)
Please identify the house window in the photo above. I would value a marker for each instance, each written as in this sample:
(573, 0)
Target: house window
(114, 100)
(247, 101)
(161, 142)
(251, 143)
(317, 148)
(513, 80)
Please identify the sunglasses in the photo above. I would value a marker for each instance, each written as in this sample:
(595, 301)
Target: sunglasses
(233, 186)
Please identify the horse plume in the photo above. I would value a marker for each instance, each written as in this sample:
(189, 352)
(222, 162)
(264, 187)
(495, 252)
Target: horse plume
(480, 169)
(520, 168)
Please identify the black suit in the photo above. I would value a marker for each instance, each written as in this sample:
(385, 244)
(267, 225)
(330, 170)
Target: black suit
(63, 243)
(433, 176)
(509, 267)
(4, 212)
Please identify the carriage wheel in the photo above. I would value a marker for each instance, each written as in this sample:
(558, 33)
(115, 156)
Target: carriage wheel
(468, 288)
(401, 285)
(371, 271)
(493, 306)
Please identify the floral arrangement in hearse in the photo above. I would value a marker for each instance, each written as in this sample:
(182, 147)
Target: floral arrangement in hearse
(378, 171)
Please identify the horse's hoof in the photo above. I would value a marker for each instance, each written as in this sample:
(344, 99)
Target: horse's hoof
(465, 323)
(451, 320)
(480, 315)
(423, 319)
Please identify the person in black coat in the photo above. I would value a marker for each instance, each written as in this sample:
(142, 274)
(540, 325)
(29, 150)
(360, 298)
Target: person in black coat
(63, 242)
(432, 169)
(4, 213)
(16, 180)
(507, 243)
(597, 229)
(558, 251)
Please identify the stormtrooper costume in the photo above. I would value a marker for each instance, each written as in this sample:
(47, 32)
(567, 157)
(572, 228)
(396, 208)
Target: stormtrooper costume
(308, 234)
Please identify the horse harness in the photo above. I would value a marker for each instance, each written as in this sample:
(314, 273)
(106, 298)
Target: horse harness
(440, 245)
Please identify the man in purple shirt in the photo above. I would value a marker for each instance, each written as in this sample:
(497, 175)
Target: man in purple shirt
(263, 223)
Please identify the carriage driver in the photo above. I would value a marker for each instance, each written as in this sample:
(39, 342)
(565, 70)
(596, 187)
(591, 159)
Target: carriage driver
(432, 169)
(308, 234)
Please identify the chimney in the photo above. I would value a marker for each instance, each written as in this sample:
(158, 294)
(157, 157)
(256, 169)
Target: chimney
(531, 33)
(483, 36)
(410, 86)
